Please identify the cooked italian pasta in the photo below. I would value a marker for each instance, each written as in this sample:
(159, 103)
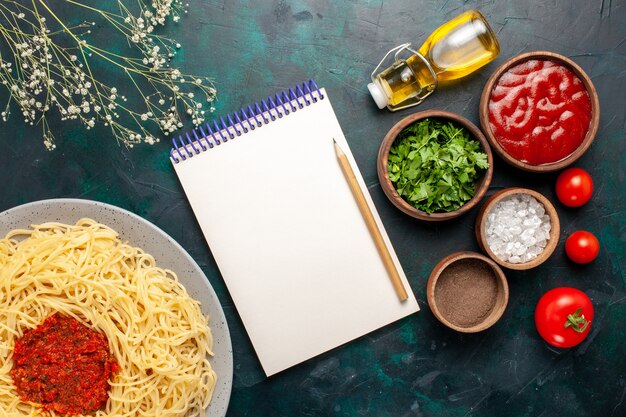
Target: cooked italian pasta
(155, 330)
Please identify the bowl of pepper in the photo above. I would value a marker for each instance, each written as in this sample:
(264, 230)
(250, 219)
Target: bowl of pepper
(434, 165)
(539, 111)
(467, 292)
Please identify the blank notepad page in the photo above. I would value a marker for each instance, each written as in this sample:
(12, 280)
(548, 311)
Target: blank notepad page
(289, 239)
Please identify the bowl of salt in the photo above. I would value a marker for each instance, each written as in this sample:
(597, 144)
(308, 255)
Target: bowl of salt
(518, 228)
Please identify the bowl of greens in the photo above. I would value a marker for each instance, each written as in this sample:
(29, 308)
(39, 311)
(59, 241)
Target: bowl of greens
(435, 165)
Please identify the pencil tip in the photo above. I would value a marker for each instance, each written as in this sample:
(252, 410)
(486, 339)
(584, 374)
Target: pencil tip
(334, 141)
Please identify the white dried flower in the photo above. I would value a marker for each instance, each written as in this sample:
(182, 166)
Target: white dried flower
(52, 75)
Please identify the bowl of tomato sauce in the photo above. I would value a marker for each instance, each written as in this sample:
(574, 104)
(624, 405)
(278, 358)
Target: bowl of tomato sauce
(539, 111)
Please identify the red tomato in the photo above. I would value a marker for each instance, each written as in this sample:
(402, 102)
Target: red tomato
(582, 247)
(563, 316)
(574, 187)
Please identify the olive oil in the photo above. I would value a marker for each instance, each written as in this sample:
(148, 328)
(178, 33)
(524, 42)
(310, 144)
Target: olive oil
(454, 50)
(406, 80)
(460, 46)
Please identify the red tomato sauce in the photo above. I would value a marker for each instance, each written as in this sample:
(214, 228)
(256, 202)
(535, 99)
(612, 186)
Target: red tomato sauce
(539, 112)
(64, 366)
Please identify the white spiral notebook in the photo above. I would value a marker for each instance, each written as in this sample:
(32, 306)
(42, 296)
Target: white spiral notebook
(284, 228)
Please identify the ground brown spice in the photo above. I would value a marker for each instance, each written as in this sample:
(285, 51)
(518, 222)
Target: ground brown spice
(466, 292)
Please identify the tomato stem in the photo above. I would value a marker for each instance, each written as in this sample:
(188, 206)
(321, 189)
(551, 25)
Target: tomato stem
(577, 321)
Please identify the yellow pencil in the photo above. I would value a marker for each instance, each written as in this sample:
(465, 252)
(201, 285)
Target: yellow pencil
(371, 223)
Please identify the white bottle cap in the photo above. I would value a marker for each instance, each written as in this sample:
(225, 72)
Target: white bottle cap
(378, 95)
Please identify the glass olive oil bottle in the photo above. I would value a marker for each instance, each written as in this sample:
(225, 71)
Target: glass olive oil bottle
(456, 49)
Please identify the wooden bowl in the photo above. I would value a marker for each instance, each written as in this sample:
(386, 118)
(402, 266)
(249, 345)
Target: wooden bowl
(481, 222)
(593, 124)
(383, 175)
(467, 292)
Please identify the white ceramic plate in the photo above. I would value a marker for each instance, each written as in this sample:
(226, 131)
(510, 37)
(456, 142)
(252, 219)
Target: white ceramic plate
(168, 254)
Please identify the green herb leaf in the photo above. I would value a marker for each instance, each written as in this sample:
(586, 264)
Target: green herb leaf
(434, 165)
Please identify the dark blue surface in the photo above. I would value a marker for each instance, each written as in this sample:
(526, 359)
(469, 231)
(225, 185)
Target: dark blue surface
(415, 367)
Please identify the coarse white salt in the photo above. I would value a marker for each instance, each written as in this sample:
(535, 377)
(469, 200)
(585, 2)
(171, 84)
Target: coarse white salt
(518, 228)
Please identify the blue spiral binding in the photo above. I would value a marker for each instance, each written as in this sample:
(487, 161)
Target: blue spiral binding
(221, 130)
